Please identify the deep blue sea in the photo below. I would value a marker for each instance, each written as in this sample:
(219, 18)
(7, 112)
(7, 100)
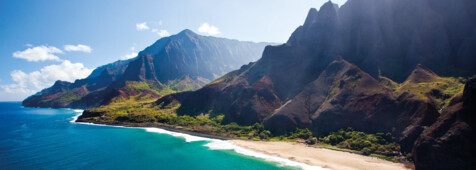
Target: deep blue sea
(33, 138)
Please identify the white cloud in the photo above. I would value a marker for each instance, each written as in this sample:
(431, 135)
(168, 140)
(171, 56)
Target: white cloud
(142, 26)
(161, 33)
(208, 29)
(79, 47)
(128, 56)
(14, 92)
(39, 53)
(28, 83)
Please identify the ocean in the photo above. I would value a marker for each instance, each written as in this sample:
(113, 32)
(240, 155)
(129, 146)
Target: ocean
(40, 138)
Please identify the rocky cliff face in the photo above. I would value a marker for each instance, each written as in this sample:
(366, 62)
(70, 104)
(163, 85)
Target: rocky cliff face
(449, 142)
(391, 37)
(345, 96)
(341, 96)
(185, 61)
(306, 84)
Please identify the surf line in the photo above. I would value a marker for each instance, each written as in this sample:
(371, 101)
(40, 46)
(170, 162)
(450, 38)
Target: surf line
(214, 144)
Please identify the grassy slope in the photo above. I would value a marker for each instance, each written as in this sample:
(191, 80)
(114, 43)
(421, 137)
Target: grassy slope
(143, 111)
(147, 113)
(139, 92)
(65, 96)
(439, 89)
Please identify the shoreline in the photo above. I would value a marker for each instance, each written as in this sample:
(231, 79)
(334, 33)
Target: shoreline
(215, 143)
(148, 125)
(316, 156)
(283, 153)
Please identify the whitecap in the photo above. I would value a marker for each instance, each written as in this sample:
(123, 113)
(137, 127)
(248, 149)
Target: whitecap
(187, 137)
(75, 118)
(78, 110)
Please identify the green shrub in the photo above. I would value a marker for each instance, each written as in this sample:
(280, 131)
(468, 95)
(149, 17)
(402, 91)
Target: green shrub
(257, 127)
(301, 134)
(265, 134)
(366, 144)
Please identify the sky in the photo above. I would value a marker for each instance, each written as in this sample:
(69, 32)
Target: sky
(42, 41)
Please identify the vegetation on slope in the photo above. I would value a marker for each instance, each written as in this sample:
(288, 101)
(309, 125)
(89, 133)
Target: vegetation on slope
(437, 89)
(379, 144)
(149, 86)
(68, 96)
(61, 97)
(146, 113)
(441, 89)
(138, 110)
(147, 90)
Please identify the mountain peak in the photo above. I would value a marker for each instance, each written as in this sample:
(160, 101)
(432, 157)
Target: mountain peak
(318, 29)
(162, 42)
(311, 16)
(328, 8)
(422, 74)
(187, 32)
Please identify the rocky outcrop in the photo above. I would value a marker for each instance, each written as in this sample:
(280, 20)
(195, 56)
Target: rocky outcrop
(342, 96)
(449, 142)
(345, 96)
(87, 114)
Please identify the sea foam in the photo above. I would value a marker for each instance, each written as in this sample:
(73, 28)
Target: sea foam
(225, 145)
(187, 137)
(79, 111)
(217, 144)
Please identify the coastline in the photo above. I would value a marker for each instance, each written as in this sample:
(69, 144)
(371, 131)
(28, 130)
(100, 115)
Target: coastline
(315, 156)
(283, 153)
(215, 143)
(153, 125)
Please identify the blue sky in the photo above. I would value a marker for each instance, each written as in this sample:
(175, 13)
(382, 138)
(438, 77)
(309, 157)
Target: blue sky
(45, 40)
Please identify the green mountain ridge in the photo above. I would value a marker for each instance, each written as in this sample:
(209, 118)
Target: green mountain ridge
(181, 62)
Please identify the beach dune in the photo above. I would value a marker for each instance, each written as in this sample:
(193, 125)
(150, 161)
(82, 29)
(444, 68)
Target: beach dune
(318, 156)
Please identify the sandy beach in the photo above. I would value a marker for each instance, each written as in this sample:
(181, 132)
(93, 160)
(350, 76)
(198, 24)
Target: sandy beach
(296, 152)
(318, 156)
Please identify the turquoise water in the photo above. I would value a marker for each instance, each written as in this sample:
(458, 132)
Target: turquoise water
(33, 138)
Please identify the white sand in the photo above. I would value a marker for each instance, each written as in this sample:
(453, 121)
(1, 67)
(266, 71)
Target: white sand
(318, 156)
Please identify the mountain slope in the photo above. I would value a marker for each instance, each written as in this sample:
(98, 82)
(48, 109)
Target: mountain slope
(355, 66)
(390, 37)
(62, 93)
(304, 84)
(449, 142)
(185, 61)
